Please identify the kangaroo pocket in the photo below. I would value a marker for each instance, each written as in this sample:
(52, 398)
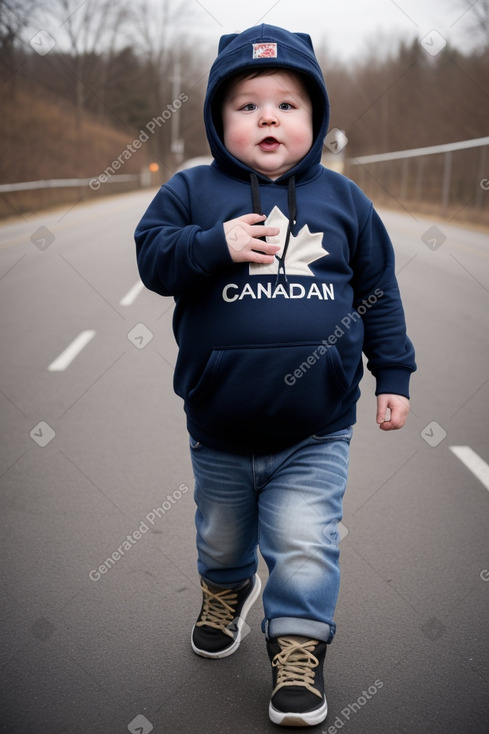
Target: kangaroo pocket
(251, 393)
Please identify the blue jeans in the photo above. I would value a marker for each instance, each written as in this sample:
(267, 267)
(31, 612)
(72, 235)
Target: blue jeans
(289, 504)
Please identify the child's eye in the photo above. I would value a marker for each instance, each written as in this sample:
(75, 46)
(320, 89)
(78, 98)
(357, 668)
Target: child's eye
(285, 106)
(249, 107)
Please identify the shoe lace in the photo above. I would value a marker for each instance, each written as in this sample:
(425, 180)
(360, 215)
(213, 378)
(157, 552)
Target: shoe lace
(295, 664)
(218, 609)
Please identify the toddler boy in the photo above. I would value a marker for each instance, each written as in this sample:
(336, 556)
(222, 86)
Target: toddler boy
(282, 274)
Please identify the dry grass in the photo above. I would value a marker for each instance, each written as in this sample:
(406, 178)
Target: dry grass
(40, 139)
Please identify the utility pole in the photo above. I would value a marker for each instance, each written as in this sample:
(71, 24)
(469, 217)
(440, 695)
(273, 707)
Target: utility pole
(177, 143)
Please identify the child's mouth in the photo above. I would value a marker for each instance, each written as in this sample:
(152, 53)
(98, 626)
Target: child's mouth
(269, 143)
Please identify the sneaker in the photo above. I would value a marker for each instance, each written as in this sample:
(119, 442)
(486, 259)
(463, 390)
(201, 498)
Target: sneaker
(218, 630)
(298, 697)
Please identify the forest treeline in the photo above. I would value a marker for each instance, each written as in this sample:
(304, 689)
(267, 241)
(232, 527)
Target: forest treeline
(69, 109)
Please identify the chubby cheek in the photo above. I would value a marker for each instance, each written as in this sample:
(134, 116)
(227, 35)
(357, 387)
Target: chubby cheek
(302, 138)
(236, 140)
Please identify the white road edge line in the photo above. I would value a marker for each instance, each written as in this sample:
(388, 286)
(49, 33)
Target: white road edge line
(473, 462)
(72, 351)
(131, 295)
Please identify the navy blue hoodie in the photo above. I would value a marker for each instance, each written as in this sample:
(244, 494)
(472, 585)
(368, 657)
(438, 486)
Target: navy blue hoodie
(271, 354)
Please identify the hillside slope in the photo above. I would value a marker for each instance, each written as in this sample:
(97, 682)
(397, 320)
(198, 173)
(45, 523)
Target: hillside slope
(41, 139)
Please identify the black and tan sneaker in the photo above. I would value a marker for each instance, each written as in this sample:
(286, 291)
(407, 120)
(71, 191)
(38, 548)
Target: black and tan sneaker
(218, 630)
(298, 697)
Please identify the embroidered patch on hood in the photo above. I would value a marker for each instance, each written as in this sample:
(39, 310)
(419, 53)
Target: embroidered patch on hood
(264, 50)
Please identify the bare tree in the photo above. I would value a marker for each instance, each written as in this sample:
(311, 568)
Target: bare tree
(158, 30)
(14, 17)
(90, 29)
(162, 38)
(476, 19)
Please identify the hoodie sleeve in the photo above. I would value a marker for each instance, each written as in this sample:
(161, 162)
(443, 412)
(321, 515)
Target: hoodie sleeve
(389, 351)
(172, 254)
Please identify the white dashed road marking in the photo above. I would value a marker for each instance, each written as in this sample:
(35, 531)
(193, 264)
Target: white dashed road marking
(72, 351)
(131, 295)
(473, 461)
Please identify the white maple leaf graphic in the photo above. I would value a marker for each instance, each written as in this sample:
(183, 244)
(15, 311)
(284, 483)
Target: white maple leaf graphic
(303, 250)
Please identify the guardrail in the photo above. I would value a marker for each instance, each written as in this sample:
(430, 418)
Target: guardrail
(463, 182)
(416, 152)
(61, 183)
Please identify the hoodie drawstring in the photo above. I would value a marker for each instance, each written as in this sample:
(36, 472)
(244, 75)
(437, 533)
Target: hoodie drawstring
(292, 205)
(255, 194)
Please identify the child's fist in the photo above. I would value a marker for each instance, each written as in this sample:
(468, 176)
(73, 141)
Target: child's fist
(392, 411)
(242, 237)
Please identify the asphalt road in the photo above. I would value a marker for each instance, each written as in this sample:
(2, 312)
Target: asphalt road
(94, 464)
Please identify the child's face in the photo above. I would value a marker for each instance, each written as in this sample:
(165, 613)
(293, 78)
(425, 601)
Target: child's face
(267, 122)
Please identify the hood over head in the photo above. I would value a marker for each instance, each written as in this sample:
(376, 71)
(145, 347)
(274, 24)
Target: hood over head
(260, 47)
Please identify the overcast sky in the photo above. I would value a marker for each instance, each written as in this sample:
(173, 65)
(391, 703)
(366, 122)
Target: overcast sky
(347, 27)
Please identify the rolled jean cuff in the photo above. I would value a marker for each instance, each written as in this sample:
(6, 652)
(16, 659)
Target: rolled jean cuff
(282, 626)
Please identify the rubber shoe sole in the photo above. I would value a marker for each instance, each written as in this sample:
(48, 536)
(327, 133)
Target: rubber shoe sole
(239, 627)
(307, 718)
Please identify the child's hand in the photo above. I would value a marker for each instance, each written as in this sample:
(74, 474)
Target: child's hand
(243, 243)
(398, 407)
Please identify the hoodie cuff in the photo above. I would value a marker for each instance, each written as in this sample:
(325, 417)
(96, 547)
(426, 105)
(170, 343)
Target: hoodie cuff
(210, 250)
(393, 381)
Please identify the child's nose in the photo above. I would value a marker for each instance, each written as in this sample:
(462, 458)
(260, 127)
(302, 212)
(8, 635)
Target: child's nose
(268, 117)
